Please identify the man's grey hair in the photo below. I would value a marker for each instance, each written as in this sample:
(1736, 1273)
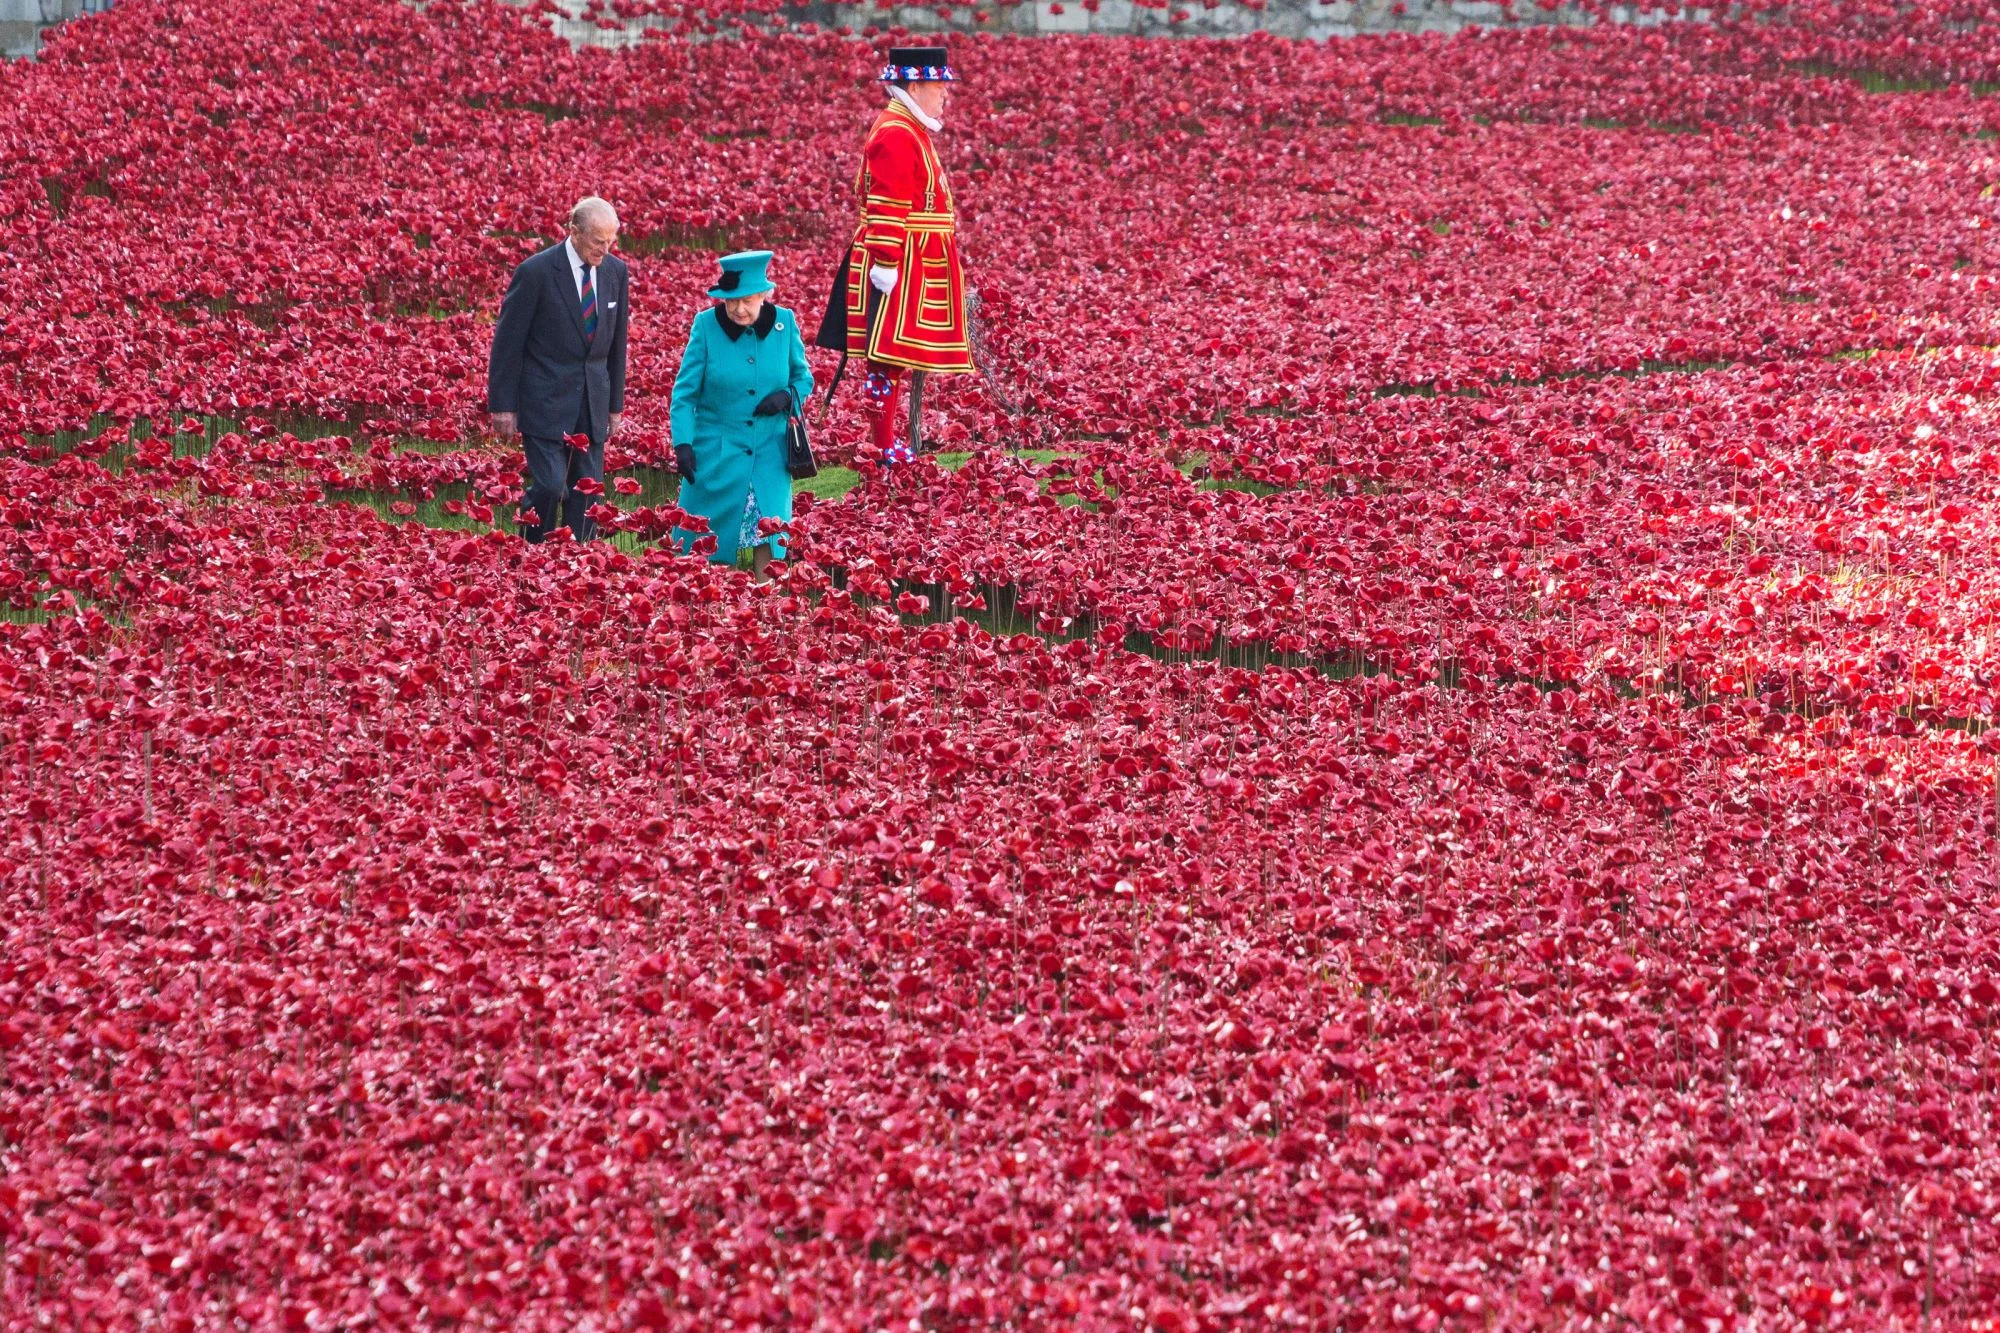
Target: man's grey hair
(591, 209)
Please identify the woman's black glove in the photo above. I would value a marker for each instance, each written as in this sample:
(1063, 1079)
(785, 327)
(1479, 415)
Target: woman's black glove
(776, 401)
(684, 461)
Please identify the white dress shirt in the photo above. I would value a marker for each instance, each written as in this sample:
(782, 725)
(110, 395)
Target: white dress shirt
(576, 267)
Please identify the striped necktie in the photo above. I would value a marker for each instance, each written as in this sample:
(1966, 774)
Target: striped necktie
(589, 306)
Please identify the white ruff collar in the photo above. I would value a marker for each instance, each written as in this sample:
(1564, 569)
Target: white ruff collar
(909, 104)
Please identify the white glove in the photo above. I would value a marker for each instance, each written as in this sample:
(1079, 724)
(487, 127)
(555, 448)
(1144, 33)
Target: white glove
(882, 278)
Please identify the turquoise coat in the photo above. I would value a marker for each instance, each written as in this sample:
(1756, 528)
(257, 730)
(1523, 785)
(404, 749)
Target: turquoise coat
(736, 455)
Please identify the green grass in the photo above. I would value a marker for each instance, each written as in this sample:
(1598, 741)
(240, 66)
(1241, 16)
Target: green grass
(1244, 484)
(1877, 81)
(764, 230)
(550, 112)
(678, 236)
(1004, 616)
(1656, 126)
(1474, 391)
(430, 513)
(38, 613)
(1674, 368)
(429, 307)
(830, 484)
(658, 487)
(954, 459)
(187, 444)
(1873, 81)
(436, 448)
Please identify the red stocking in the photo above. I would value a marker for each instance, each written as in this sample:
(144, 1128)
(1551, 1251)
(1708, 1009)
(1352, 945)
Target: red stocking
(883, 391)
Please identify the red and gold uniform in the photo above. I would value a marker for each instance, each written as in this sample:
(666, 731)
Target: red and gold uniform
(907, 231)
(907, 224)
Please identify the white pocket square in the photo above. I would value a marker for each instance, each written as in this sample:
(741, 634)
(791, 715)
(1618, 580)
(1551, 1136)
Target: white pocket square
(610, 305)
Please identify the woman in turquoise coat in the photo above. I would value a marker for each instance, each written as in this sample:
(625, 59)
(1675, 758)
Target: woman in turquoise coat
(744, 368)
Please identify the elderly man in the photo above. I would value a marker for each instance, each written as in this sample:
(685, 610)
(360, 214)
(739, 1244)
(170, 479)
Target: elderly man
(556, 376)
(899, 299)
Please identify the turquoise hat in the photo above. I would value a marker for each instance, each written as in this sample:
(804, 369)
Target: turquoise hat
(743, 275)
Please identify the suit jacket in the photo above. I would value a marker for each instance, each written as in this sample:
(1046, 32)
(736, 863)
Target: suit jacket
(541, 368)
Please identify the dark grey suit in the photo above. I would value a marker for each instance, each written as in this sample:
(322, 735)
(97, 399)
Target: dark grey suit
(559, 383)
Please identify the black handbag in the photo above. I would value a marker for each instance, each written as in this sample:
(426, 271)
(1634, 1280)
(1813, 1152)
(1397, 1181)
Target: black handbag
(799, 460)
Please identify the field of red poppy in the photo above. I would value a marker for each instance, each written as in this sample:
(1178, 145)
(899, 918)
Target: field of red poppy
(1421, 759)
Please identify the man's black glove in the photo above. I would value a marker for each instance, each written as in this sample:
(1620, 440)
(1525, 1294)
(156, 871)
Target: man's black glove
(776, 401)
(684, 461)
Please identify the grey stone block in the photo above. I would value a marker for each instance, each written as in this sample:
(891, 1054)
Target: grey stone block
(1073, 18)
(1309, 19)
(19, 37)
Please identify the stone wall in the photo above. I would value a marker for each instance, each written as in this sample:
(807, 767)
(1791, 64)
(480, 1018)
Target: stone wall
(1316, 20)
(22, 21)
(1312, 19)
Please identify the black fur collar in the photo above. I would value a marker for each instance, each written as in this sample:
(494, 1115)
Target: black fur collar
(767, 319)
